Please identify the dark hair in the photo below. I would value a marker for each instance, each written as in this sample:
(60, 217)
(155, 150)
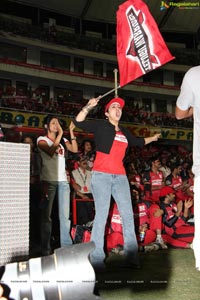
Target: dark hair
(48, 119)
(46, 123)
(92, 152)
(87, 141)
(152, 159)
(33, 138)
(81, 157)
(175, 166)
(162, 199)
(27, 136)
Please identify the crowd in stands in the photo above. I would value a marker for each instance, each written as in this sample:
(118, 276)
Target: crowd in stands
(52, 34)
(161, 183)
(36, 101)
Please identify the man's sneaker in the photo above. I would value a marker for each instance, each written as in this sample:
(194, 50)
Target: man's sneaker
(151, 247)
(161, 243)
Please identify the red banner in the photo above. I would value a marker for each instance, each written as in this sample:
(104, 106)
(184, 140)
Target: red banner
(140, 46)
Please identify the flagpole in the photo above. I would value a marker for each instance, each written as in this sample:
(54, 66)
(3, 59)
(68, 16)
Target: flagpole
(115, 76)
(115, 88)
(109, 92)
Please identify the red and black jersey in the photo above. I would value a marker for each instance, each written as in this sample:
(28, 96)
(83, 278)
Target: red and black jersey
(169, 217)
(136, 180)
(175, 183)
(153, 180)
(141, 214)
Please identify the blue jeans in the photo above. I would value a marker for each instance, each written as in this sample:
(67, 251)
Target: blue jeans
(62, 187)
(104, 185)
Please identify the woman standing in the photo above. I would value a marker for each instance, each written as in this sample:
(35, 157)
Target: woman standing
(53, 149)
(109, 176)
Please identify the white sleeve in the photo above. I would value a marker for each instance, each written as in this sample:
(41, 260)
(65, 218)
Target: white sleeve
(65, 140)
(186, 96)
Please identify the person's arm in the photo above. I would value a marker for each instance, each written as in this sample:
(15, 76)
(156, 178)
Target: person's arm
(158, 212)
(83, 196)
(179, 208)
(151, 139)
(185, 100)
(50, 150)
(77, 189)
(1, 294)
(139, 141)
(187, 205)
(73, 146)
(85, 110)
(182, 114)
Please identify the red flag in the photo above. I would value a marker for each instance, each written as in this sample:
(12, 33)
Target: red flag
(140, 46)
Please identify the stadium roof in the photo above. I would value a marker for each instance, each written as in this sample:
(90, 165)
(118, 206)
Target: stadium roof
(170, 19)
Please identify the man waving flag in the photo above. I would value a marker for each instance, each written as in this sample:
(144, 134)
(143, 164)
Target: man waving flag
(140, 46)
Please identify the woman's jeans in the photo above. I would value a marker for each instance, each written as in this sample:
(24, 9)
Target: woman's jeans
(103, 186)
(62, 187)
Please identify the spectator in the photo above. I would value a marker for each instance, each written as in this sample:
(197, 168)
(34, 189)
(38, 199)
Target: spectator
(81, 181)
(164, 167)
(134, 178)
(87, 150)
(153, 181)
(175, 218)
(190, 189)
(53, 148)
(109, 177)
(175, 181)
(184, 172)
(148, 220)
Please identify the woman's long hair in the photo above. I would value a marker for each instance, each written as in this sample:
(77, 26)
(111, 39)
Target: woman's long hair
(47, 121)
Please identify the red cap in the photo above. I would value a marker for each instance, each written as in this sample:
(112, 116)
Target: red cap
(118, 100)
(166, 190)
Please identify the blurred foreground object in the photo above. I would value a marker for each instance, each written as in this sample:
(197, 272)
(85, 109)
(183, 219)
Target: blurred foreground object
(66, 274)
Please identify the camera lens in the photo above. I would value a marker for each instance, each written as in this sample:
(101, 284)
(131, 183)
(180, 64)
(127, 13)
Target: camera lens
(66, 274)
